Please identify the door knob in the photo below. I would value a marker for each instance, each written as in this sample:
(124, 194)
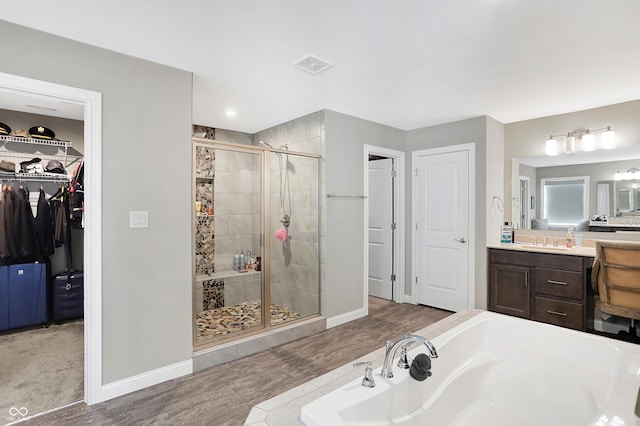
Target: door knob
(461, 240)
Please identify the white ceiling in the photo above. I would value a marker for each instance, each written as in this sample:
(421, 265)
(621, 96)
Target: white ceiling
(404, 63)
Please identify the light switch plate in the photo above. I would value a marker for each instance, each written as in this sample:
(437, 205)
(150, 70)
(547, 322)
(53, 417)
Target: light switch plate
(139, 219)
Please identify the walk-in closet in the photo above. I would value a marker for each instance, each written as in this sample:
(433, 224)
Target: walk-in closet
(41, 257)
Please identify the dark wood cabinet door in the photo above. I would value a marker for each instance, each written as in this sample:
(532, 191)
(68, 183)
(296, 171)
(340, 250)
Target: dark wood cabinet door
(510, 290)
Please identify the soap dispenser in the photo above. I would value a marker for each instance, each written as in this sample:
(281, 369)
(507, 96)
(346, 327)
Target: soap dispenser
(569, 239)
(506, 234)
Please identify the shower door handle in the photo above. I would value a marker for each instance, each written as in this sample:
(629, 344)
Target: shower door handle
(461, 240)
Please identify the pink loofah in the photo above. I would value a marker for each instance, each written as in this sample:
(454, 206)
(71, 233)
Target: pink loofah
(281, 234)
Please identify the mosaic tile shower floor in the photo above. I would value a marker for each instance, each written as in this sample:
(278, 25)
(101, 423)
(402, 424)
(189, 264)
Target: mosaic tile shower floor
(229, 319)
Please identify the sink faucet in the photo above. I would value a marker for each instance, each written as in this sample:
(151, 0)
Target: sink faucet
(392, 348)
(544, 240)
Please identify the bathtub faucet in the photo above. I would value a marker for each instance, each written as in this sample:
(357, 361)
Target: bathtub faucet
(392, 348)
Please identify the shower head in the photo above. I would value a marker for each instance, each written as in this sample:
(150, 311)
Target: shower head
(264, 143)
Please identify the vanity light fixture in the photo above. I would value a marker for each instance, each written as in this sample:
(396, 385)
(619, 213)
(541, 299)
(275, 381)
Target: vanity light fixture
(631, 174)
(588, 141)
(609, 138)
(551, 147)
(569, 144)
(586, 138)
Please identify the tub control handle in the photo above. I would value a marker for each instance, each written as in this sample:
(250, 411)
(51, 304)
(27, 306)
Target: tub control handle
(403, 361)
(367, 380)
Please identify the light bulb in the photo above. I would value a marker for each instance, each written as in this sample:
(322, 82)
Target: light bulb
(588, 142)
(569, 144)
(551, 146)
(617, 176)
(609, 139)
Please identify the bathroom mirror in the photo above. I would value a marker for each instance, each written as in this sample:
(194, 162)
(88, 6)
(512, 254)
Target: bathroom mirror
(627, 195)
(601, 167)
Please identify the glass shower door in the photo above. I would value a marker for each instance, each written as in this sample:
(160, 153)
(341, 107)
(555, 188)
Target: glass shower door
(228, 226)
(293, 241)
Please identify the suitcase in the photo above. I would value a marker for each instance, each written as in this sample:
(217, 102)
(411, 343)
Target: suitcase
(67, 297)
(23, 296)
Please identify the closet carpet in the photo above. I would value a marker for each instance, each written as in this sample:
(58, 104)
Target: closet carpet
(41, 369)
(224, 395)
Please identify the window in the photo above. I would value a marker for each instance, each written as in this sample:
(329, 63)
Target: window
(565, 200)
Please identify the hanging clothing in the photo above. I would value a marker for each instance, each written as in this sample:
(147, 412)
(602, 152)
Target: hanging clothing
(9, 199)
(5, 255)
(44, 226)
(58, 212)
(25, 232)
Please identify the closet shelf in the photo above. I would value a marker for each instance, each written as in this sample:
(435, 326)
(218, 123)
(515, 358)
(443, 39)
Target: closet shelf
(33, 141)
(59, 150)
(34, 177)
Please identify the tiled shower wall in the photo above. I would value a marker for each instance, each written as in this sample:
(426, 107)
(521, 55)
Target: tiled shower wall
(237, 205)
(294, 264)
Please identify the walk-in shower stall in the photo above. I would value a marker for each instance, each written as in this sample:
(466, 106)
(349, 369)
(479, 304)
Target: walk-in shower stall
(256, 238)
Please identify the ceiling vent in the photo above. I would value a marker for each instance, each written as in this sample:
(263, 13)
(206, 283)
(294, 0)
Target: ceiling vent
(312, 64)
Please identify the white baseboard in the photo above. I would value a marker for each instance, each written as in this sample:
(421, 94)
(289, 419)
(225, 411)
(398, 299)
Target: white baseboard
(346, 317)
(149, 378)
(408, 298)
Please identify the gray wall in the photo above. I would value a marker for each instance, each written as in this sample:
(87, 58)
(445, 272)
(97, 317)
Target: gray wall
(146, 160)
(345, 140)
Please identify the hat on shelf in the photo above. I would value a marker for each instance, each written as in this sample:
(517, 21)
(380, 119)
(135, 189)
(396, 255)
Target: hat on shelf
(54, 166)
(21, 133)
(39, 132)
(4, 129)
(7, 166)
(31, 166)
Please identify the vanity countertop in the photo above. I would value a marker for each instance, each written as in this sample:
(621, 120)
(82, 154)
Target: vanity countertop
(573, 251)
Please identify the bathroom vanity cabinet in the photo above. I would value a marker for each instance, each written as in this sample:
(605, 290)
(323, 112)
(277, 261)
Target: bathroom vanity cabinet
(545, 287)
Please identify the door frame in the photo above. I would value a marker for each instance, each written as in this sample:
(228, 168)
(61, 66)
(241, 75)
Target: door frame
(471, 149)
(399, 213)
(92, 103)
(525, 203)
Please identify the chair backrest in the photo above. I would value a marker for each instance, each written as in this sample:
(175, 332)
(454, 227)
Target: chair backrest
(616, 272)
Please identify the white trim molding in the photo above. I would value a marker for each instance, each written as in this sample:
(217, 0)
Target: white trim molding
(92, 103)
(146, 379)
(346, 317)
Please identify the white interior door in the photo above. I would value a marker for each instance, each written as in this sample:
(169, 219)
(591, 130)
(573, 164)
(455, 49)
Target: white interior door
(380, 201)
(442, 230)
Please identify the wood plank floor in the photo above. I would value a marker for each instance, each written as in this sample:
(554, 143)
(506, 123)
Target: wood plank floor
(224, 395)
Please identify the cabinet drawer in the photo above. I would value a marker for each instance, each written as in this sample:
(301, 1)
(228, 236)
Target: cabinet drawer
(558, 312)
(555, 282)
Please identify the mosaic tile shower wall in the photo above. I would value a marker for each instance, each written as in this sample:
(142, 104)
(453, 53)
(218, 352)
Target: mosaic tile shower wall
(205, 162)
(205, 222)
(213, 292)
(205, 245)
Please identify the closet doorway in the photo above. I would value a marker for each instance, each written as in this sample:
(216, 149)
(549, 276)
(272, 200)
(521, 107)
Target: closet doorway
(256, 232)
(384, 223)
(89, 104)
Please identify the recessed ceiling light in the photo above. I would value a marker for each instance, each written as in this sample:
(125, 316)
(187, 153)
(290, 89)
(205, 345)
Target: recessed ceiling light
(230, 113)
(312, 64)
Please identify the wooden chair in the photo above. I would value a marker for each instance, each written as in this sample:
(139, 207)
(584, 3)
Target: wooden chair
(616, 280)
